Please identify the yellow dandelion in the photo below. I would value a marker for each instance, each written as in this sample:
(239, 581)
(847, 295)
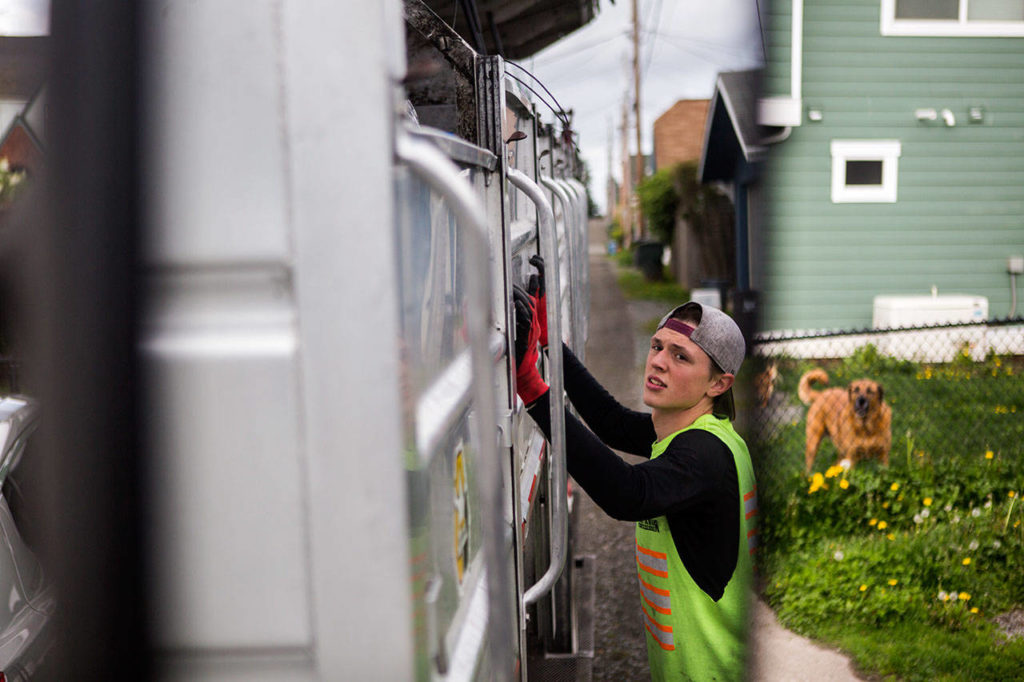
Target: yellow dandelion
(966, 561)
(844, 484)
(882, 525)
(833, 471)
(894, 487)
(964, 596)
(892, 582)
(974, 609)
(863, 588)
(890, 536)
(885, 505)
(872, 522)
(1012, 493)
(989, 454)
(927, 501)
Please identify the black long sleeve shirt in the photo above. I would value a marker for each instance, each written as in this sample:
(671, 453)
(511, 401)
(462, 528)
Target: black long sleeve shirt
(693, 483)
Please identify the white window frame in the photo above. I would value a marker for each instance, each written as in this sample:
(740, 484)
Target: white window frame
(886, 151)
(959, 27)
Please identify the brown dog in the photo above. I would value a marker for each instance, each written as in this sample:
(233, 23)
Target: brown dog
(855, 418)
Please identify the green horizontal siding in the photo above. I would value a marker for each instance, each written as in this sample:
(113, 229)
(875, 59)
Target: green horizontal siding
(960, 207)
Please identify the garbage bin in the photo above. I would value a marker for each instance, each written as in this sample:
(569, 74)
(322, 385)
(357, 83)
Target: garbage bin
(647, 258)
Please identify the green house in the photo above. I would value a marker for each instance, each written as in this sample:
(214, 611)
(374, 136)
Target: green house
(897, 164)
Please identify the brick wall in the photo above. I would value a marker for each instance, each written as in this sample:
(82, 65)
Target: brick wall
(679, 132)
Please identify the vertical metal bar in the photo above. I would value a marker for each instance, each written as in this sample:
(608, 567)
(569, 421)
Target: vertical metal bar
(584, 209)
(579, 204)
(559, 476)
(430, 164)
(570, 217)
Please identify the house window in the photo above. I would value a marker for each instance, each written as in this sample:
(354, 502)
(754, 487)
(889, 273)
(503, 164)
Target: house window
(992, 18)
(864, 171)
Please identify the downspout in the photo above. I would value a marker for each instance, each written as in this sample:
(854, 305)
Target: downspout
(796, 72)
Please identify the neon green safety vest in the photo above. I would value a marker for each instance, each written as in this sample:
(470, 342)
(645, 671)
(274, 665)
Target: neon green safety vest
(689, 635)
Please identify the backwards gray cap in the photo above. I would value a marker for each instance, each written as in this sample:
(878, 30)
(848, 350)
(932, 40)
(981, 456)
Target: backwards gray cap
(716, 334)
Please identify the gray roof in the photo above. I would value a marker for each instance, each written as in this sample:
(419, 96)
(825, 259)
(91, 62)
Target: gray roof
(732, 130)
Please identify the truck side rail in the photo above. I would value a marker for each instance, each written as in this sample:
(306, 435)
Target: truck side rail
(431, 165)
(559, 476)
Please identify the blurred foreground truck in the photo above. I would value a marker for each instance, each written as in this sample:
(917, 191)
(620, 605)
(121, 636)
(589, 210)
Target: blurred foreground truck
(338, 198)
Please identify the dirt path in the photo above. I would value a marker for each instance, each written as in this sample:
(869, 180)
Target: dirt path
(614, 354)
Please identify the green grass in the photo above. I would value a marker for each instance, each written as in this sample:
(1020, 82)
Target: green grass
(906, 651)
(634, 285)
(867, 559)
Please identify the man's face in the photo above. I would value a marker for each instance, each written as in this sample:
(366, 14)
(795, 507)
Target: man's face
(677, 374)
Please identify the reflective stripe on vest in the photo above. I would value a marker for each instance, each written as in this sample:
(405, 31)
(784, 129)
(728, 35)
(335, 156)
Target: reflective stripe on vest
(692, 636)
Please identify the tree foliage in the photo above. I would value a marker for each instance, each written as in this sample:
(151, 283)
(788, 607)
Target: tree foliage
(675, 195)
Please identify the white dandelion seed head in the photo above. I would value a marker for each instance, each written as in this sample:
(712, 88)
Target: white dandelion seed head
(953, 596)
(956, 519)
(996, 544)
(846, 464)
(975, 512)
(943, 596)
(917, 518)
(974, 545)
(925, 513)
(988, 504)
(948, 508)
(838, 556)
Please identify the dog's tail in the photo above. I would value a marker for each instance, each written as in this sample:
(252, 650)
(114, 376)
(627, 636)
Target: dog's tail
(804, 390)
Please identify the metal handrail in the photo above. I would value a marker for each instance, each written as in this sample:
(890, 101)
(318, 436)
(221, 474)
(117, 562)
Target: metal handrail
(559, 476)
(438, 171)
(570, 216)
(584, 274)
(576, 266)
(582, 261)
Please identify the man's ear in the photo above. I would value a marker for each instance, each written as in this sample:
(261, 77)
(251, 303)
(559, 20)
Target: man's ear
(721, 385)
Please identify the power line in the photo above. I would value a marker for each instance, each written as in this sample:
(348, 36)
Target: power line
(760, 27)
(576, 49)
(654, 42)
(725, 47)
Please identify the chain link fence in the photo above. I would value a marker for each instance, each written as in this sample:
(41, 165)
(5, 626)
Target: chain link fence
(950, 390)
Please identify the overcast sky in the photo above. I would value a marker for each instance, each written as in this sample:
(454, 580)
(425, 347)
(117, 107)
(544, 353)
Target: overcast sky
(685, 44)
(24, 17)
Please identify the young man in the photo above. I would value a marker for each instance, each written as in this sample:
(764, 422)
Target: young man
(693, 500)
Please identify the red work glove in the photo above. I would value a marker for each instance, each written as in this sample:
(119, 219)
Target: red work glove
(529, 384)
(536, 290)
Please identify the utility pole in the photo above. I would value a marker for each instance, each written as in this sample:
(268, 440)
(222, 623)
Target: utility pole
(608, 194)
(636, 113)
(626, 190)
